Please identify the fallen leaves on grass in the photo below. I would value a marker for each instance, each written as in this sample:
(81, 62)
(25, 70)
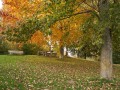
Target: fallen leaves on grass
(41, 73)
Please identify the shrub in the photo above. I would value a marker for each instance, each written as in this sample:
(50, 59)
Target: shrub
(30, 49)
(116, 57)
(3, 47)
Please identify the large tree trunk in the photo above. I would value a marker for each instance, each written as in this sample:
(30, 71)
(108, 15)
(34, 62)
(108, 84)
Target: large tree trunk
(61, 52)
(106, 56)
(66, 54)
(106, 53)
(115, 1)
(78, 53)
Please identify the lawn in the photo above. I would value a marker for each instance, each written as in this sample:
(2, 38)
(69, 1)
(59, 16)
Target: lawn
(43, 73)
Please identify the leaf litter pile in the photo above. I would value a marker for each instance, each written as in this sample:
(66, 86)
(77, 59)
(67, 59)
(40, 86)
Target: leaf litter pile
(43, 73)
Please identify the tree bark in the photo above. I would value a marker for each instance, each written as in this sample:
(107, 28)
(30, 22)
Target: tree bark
(66, 54)
(115, 1)
(61, 52)
(106, 52)
(78, 53)
(106, 56)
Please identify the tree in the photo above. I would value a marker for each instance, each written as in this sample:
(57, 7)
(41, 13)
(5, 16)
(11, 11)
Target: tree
(106, 52)
(100, 8)
(67, 32)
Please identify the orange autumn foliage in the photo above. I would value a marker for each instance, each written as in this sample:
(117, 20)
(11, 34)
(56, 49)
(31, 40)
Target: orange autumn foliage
(38, 38)
(68, 31)
(20, 9)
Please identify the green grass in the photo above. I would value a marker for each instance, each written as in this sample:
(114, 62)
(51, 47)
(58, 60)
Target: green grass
(43, 73)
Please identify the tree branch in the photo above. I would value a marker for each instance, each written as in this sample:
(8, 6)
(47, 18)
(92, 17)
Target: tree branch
(80, 4)
(91, 6)
(83, 12)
